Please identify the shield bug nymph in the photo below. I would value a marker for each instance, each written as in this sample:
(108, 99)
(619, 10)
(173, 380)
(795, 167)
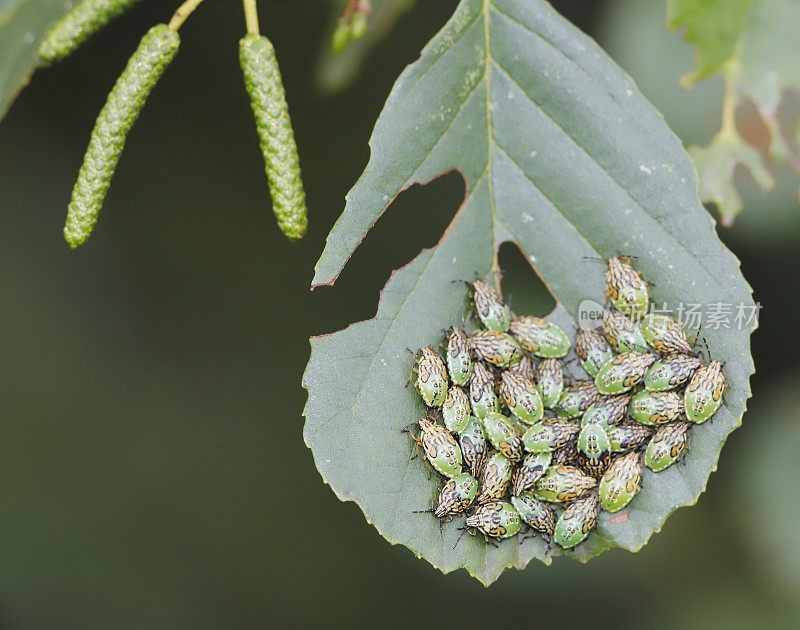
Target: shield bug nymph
(625, 287)
(592, 349)
(530, 471)
(500, 349)
(703, 396)
(549, 379)
(491, 310)
(538, 515)
(474, 447)
(622, 334)
(549, 435)
(441, 448)
(431, 382)
(665, 334)
(521, 397)
(561, 484)
(626, 436)
(623, 372)
(456, 496)
(495, 479)
(621, 482)
(575, 523)
(670, 371)
(542, 338)
(482, 395)
(593, 441)
(525, 368)
(594, 448)
(656, 407)
(607, 410)
(459, 356)
(666, 446)
(456, 410)
(503, 436)
(497, 519)
(576, 399)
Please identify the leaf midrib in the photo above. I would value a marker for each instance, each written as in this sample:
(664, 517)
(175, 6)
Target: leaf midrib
(487, 80)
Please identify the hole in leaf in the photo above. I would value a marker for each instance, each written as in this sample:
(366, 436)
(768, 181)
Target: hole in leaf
(414, 221)
(752, 126)
(521, 284)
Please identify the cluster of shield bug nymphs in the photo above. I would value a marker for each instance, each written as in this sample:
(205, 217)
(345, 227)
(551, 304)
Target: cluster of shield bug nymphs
(517, 441)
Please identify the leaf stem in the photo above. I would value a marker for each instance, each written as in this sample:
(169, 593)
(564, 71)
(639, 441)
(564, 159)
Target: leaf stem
(728, 110)
(730, 72)
(183, 12)
(251, 16)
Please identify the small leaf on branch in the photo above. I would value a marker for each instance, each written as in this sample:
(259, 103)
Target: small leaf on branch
(753, 44)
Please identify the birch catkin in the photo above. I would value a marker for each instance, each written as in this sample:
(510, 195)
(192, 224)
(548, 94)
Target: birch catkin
(262, 79)
(156, 50)
(83, 21)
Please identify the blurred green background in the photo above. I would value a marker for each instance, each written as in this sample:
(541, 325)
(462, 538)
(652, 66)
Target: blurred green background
(152, 468)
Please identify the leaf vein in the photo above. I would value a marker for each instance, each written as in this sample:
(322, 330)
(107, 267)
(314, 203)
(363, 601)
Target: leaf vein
(700, 261)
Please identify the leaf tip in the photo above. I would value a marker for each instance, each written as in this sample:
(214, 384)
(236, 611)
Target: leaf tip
(688, 79)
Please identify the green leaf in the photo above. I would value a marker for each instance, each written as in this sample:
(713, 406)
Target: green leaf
(562, 156)
(714, 27)
(22, 26)
(715, 166)
(754, 45)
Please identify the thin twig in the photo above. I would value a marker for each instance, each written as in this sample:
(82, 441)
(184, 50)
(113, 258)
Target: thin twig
(251, 16)
(183, 12)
